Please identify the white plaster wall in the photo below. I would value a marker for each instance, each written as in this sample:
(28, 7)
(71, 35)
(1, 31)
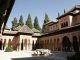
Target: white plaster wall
(70, 21)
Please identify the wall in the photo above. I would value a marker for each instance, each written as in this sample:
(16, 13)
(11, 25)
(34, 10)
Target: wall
(76, 20)
(54, 42)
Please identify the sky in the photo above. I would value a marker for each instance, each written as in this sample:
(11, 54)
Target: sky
(39, 8)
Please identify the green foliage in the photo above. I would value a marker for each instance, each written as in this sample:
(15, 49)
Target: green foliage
(8, 49)
(14, 23)
(29, 22)
(21, 22)
(36, 23)
(46, 20)
(43, 29)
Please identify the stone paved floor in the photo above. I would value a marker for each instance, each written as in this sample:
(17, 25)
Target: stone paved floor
(33, 58)
(55, 56)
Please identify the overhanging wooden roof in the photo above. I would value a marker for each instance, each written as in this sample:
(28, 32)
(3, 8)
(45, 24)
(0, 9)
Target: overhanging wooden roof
(5, 9)
(70, 12)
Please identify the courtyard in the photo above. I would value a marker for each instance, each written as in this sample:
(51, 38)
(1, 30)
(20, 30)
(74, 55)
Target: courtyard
(26, 55)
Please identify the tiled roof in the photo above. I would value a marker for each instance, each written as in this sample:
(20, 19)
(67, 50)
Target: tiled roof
(76, 6)
(10, 32)
(25, 29)
(70, 12)
(52, 22)
(17, 28)
(7, 5)
(49, 22)
(35, 30)
(37, 34)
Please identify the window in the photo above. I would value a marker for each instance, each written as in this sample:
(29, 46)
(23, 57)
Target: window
(62, 25)
(65, 24)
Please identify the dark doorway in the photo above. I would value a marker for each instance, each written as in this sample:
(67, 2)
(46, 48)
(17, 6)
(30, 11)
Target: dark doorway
(22, 45)
(66, 44)
(33, 45)
(1, 44)
(79, 42)
(75, 44)
(4, 44)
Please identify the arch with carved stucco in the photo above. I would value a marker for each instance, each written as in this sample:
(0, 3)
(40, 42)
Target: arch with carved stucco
(75, 44)
(66, 44)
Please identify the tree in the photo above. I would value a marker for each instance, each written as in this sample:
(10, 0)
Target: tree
(46, 20)
(9, 49)
(64, 11)
(43, 29)
(21, 23)
(29, 21)
(14, 23)
(36, 23)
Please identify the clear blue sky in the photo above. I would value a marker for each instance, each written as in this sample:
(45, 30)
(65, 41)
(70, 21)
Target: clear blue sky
(39, 7)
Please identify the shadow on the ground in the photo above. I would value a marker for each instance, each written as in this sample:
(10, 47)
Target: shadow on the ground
(32, 58)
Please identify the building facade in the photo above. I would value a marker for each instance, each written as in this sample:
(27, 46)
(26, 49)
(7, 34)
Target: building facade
(64, 34)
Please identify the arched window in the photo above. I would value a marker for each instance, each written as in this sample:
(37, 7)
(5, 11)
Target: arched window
(62, 25)
(66, 23)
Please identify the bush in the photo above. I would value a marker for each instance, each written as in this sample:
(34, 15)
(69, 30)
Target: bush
(8, 49)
